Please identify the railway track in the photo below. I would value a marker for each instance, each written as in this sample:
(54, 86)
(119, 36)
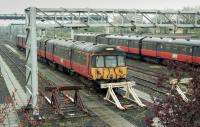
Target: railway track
(16, 65)
(63, 104)
(146, 78)
(18, 68)
(144, 71)
(147, 84)
(15, 61)
(89, 97)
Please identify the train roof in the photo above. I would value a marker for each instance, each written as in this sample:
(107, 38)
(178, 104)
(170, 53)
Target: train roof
(124, 37)
(187, 42)
(87, 34)
(84, 46)
(21, 35)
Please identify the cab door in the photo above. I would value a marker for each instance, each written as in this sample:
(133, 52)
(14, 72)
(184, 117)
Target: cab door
(196, 55)
(159, 48)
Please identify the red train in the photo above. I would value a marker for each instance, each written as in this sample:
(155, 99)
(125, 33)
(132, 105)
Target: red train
(21, 41)
(99, 63)
(155, 48)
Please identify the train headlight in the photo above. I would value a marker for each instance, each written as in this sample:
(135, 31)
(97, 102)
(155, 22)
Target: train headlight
(109, 49)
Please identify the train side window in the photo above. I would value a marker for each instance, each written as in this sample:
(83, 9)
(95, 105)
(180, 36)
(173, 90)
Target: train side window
(174, 49)
(58, 51)
(144, 45)
(76, 56)
(131, 43)
(198, 53)
(181, 49)
(55, 50)
(72, 55)
(40, 45)
(106, 40)
(126, 43)
(66, 53)
(62, 51)
(189, 50)
(51, 48)
(109, 41)
(167, 48)
(47, 47)
(121, 42)
(99, 61)
(159, 47)
(83, 59)
(113, 41)
(80, 60)
(121, 60)
(101, 40)
(118, 41)
(87, 38)
(94, 39)
(149, 45)
(135, 44)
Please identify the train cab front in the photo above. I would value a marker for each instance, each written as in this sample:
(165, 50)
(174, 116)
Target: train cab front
(109, 67)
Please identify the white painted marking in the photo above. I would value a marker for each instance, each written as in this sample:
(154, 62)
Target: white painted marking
(13, 84)
(174, 56)
(143, 95)
(12, 49)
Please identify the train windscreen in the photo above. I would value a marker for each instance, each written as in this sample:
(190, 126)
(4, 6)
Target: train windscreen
(108, 61)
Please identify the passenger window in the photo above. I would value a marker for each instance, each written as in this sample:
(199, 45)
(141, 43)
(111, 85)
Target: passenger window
(160, 47)
(83, 59)
(198, 51)
(167, 48)
(189, 50)
(174, 49)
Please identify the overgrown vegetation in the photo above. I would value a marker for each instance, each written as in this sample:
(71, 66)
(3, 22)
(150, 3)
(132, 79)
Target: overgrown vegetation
(173, 110)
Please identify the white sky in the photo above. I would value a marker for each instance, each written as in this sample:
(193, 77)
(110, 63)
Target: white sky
(12, 6)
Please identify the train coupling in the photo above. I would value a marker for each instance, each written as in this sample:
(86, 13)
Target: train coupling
(127, 88)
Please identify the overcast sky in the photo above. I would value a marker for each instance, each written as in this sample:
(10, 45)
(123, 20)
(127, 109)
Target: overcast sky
(12, 6)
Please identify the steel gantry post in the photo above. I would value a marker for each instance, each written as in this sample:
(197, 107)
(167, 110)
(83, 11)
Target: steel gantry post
(72, 33)
(31, 59)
